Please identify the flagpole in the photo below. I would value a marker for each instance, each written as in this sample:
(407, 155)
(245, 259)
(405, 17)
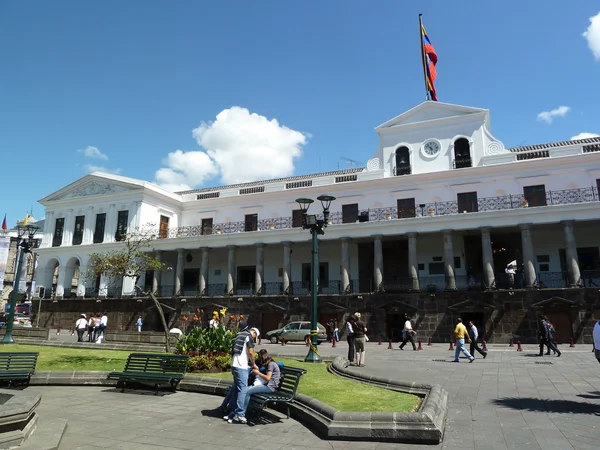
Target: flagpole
(423, 60)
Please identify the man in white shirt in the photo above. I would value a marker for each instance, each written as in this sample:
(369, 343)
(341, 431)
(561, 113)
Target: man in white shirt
(103, 324)
(81, 326)
(596, 336)
(243, 357)
(474, 334)
(407, 334)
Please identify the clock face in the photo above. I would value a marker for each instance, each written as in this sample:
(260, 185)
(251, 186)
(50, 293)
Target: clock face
(431, 148)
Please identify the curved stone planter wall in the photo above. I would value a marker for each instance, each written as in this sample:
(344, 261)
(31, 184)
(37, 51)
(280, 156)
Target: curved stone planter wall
(425, 426)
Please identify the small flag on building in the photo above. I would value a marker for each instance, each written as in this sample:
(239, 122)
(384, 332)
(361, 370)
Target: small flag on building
(4, 226)
(429, 58)
(26, 220)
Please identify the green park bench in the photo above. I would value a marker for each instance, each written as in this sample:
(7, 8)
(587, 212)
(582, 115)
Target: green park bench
(17, 366)
(285, 393)
(156, 369)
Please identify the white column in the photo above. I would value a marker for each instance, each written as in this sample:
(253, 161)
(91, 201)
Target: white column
(571, 253)
(260, 268)
(378, 266)
(48, 229)
(133, 214)
(449, 261)
(287, 267)
(103, 286)
(68, 229)
(413, 265)
(528, 255)
(110, 226)
(156, 275)
(203, 270)
(231, 269)
(345, 269)
(179, 272)
(88, 226)
(487, 257)
(60, 284)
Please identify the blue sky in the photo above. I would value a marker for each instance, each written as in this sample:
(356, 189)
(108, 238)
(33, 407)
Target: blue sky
(129, 83)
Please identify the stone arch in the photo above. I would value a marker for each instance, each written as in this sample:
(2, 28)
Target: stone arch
(72, 276)
(462, 153)
(47, 276)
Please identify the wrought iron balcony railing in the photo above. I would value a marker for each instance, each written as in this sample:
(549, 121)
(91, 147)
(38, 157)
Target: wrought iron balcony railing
(505, 202)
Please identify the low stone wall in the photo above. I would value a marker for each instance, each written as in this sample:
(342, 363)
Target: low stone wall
(133, 337)
(41, 334)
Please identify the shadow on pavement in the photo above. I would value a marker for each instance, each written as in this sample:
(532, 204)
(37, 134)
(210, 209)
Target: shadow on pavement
(592, 395)
(266, 418)
(549, 406)
(144, 390)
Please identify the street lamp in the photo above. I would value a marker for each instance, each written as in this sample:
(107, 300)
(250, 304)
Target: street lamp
(316, 227)
(25, 243)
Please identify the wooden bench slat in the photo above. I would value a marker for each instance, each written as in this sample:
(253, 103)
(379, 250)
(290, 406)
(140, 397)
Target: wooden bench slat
(17, 365)
(285, 393)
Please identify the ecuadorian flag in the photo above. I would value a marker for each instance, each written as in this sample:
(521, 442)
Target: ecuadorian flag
(430, 60)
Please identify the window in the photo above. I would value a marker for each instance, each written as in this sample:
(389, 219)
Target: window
(246, 277)
(207, 226)
(292, 326)
(467, 202)
(350, 213)
(598, 187)
(406, 207)
(305, 326)
(99, 229)
(436, 268)
(59, 229)
(402, 161)
(251, 222)
(462, 153)
(122, 219)
(296, 218)
(163, 229)
(457, 262)
(323, 275)
(78, 231)
(535, 195)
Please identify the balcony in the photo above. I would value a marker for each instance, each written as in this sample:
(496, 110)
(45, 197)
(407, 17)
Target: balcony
(462, 163)
(505, 202)
(402, 170)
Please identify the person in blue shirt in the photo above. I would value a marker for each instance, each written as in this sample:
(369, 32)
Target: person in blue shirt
(139, 324)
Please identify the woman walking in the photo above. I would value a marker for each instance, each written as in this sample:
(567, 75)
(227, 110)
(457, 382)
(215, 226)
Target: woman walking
(350, 338)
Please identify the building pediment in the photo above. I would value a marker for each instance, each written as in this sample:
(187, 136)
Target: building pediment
(471, 305)
(89, 189)
(557, 302)
(397, 306)
(431, 111)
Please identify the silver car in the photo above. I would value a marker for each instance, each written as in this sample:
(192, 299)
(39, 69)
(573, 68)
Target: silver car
(296, 331)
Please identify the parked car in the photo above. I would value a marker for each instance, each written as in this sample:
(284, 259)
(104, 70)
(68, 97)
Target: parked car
(296, 331)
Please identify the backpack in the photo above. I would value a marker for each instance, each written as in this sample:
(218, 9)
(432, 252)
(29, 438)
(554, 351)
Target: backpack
(551, 330)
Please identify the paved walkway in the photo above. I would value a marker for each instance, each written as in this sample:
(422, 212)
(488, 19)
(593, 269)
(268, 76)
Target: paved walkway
(507, 401)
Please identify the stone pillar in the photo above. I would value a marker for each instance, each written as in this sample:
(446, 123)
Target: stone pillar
(60, 283)
(260, 268)
(103, 286)
(287, 267)
(67, 238)
(133, 214)
(413, 265)
(449, 261)
(231, 267)
(88, 226)
(488, 258)
(528, 255)
(110, 226)
(179, 272)
(49, 224)
(345, 275)
(378, 264)
(203, 284)
(80, 287)
(571, 254)
(156, 276)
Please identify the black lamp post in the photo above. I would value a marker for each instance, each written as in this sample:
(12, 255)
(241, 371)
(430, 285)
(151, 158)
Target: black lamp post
(25, 243)
(316, 227)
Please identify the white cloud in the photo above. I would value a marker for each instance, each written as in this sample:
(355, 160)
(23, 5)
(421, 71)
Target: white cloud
(549, 116)
(93, 152)
(584, 136)
(92, 168)
(239, 146)
(592, 35)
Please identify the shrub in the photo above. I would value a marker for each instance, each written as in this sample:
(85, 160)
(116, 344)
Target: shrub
(206, 340)
(208, 361)
(223, 362)
(201, 362)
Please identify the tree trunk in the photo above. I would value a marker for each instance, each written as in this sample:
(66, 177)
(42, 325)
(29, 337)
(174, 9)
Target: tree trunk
(163, 320)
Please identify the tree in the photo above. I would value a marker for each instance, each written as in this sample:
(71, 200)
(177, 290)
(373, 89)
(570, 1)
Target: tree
(131, 261)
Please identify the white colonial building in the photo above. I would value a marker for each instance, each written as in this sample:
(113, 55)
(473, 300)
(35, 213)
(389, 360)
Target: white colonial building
(441, 205)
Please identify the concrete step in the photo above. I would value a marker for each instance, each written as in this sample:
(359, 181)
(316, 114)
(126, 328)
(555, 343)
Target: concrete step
(47, 435)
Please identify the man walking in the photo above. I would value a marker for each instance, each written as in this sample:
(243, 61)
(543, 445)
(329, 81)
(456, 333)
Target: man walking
(243, 356)
(474, 335)
(596, 337)
(546, 337)
(81, 326)
(460, 334)
(408, 334)
(139, 324)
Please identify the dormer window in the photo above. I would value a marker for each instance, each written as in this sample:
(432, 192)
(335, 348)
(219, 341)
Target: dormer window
(402, 161)
(462, 153)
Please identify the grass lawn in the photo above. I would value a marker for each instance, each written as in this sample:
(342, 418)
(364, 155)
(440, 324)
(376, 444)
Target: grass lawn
(340, 393)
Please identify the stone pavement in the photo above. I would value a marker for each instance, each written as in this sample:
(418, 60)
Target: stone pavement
(507, 401)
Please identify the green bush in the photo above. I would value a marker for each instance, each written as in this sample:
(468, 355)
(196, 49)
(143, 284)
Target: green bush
(206, 340)
(223, 362)
(207, 361)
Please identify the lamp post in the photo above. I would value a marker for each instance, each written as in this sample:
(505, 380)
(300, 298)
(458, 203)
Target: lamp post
(24, 245)
(316, 227)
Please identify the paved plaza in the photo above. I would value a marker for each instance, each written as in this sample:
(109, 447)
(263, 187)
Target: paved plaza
(511, 400)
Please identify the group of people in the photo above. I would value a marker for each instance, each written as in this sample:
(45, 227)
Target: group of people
(263, 376)
(471, 335)
(356, 334)
(94, 325)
